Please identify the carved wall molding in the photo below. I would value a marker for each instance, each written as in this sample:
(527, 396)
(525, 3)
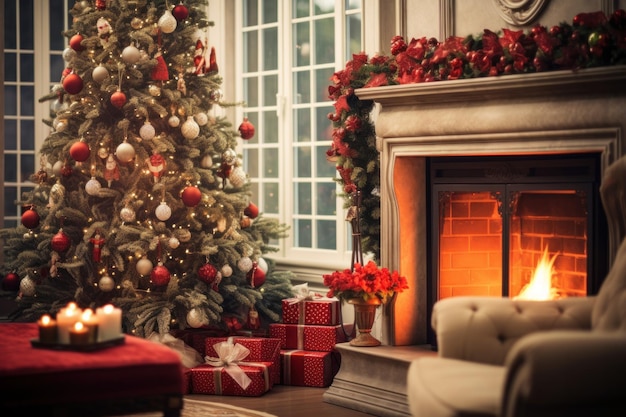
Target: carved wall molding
(519, 12)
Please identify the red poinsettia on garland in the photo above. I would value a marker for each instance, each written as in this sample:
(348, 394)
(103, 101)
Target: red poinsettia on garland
(365, 282)
(591, 40)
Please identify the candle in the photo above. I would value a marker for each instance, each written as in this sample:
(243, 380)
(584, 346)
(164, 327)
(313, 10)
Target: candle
(47, 329)
(109, 322)
(79, 334)
(90, 321)
(66, 318)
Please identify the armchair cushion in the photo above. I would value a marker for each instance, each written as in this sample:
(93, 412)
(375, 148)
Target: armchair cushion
(609, 312)
(483, 329)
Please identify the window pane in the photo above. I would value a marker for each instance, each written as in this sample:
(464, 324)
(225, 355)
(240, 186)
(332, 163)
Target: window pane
(301, 44)
(302, 168)
(303, 237)
(270, 49)
(326, 199)
(10, 134)
(27, 67)
(326, 234)
(10, 197)
(27, 167)
(26, 25)
(324, 169)
(251, 91)
(270, 84)
(324, 41)
(253, 117)
(251, 159)
(302, 125)
(10, 67)
(10, 168)
(57, 16)
(270, 163)
(322, 78)
(250, 12)
(300, 8)
(324, 6)
(27, 101)
(302, 87)
(56, 67)
(353, 4)
(270, 198)
(270, 11)
(323, 125)
(10, 25)
(270, 127)
(251, 46)
(303, 198)
(10, 100)
(27, 133)
(254, 191)
(353, 30)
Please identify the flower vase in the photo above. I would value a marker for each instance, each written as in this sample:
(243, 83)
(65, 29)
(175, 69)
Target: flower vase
(364, 315)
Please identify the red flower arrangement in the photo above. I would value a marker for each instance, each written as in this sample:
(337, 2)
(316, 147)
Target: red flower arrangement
(591, 40)
(365, 282)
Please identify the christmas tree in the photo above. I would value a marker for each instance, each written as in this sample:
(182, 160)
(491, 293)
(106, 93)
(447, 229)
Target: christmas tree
(141, 199)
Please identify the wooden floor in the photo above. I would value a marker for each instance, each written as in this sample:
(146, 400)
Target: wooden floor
(287, 401)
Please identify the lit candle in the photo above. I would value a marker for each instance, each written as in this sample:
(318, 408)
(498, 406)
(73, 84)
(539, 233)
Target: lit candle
(47, 329)
(79, 334)
(109, 322)
(66, 318)
(89, 319)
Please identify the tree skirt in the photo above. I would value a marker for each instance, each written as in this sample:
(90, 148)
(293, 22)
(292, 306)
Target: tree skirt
(195, 408)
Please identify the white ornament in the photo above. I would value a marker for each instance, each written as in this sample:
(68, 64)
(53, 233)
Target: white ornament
(184, 235)
(237, 177)
(190, 128)
(125, 152)
(207, 161)
(173, 242)
(60, 125)
(93, 186)
(127, 214)
(27, 286)
(216, 111)
(262, 265)
(103, 153)
(131, 54)
(201, 118)
(57, 167)
(144, 266)
(163, 211)
(147, 131)
(69, 54)
(100, 73)
(106, 284)
(174, 121)
(244, 264)
(195, 318)
(167, 22)
(229, 156)
(227, 270)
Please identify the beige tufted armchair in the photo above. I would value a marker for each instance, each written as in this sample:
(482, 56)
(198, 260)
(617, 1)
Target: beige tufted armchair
(502, 357)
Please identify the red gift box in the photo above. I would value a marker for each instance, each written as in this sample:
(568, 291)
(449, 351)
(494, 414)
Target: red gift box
(261, 350)
(317, 311)
(187, 380)
(215, 380)
(307, 368)
(307, 337)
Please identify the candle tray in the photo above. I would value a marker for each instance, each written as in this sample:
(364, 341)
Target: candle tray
(90, 347)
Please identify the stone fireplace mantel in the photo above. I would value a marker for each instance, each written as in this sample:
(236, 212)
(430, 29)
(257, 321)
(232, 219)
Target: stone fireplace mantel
(549, 113)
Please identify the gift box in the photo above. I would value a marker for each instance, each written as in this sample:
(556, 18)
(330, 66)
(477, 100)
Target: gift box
(316, 311)
(196, 338)
(216, 380)
(187, 380)
(261, 350)
(308, 368)
(307, 337)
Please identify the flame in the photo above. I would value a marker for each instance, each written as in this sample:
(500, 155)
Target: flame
(540, 285)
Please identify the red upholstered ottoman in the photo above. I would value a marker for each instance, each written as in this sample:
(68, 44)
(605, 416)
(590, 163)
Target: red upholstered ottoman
(138, 375)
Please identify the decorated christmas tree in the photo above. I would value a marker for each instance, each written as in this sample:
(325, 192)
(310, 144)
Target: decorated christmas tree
(141, 199)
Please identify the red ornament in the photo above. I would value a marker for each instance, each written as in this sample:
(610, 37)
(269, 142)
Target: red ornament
(118, 99)
(72, 83)
(75, 42)
(251, 211)
(60, 242)
(160, 275)
(191, 196)
(246, 129)
(79, 151)
(159, 72)
(207, 273)
(11, 282)
(256, 276)
(253, 322)
(101, 4)
(67, 170)
(212, 62)
(97, 241)
(180, 12)
(30, 218)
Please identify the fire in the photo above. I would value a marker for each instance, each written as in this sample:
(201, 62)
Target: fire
(540, 285)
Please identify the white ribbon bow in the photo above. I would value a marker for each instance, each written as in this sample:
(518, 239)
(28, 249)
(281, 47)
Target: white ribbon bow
(301, 292)
(229, 355)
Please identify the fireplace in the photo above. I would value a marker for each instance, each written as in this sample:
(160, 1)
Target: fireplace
(527, 154)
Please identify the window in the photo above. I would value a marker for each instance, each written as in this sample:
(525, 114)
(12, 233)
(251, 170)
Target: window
(288, 52)
(33, 63)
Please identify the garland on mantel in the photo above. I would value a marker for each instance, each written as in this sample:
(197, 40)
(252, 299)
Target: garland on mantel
(591, 40)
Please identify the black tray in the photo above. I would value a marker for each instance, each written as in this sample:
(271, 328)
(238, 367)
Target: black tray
(79, 348)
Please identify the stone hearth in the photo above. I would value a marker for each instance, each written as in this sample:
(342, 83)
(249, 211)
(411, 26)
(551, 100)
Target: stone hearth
(548, 113)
